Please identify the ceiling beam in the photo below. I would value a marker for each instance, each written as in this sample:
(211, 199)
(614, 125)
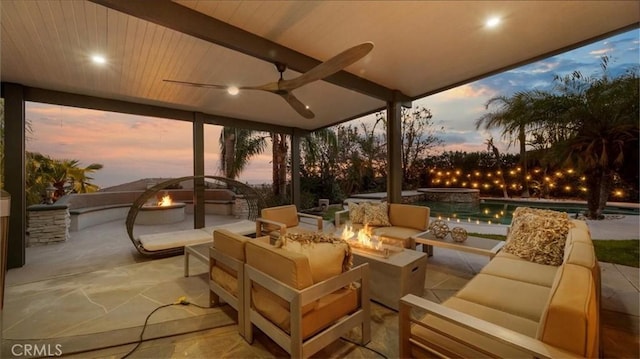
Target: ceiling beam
(97, 103)
(185, 20)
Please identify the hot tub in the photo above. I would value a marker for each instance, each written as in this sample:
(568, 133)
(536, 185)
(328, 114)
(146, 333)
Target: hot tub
(461, 195)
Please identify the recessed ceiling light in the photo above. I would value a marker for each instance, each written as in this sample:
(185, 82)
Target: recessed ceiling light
(99, 59)
(493, 22)
(232, 90)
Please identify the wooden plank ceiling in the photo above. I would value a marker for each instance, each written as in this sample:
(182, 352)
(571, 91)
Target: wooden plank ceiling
(421, 47)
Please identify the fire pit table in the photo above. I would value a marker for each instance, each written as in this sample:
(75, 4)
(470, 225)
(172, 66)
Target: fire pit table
(391, 278)
(394, 271)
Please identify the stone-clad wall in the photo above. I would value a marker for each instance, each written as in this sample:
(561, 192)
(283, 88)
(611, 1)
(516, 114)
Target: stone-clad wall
(48, 223)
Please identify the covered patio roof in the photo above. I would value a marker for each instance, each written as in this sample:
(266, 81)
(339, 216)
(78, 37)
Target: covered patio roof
(420, 48)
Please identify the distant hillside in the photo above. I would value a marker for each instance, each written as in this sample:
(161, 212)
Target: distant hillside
(143, 184)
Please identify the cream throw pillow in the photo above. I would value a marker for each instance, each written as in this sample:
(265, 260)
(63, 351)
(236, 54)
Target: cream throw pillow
(538, 235)
(377, 214)
(356, 212)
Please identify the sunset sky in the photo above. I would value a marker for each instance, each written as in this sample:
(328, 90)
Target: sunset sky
(135, 147)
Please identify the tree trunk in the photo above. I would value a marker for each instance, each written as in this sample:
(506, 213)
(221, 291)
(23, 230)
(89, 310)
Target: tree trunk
(275, 172)
(504, 184)
(496, 153)
(605, 186)
(594, 193)
(279, 165)
(229, 156)
(523, 163)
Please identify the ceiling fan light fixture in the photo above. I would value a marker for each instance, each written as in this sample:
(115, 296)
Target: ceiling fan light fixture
(233, 90)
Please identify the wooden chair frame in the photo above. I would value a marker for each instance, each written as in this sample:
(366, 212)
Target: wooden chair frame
(409, 302)
(293, 343)
(219, 295)
(282, 228)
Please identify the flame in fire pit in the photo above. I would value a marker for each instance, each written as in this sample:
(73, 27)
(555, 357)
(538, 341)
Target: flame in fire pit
(365, 240)
(362, 239)
(166, 201)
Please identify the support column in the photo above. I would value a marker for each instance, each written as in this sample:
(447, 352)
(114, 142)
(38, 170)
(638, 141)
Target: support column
(198, 170)
(14, 171)
(295, 168)
(394, 152)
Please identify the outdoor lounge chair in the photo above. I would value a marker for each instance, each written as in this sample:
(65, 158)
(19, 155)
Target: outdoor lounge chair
(254, 201)
(276, 221)
(226, 271)
(302, 301)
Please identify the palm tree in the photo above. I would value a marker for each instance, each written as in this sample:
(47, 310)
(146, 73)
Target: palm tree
(603, 115)
(280, 151)
(80, 179)
(66, 176)
(514, 115)
(496, 153)
(237, 146)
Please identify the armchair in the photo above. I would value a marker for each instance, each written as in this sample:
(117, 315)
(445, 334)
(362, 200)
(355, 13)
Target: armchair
(276, 221)
(226, 271)
(303, 311)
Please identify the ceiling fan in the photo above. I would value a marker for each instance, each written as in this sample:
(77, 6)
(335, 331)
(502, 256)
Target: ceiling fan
(284, 88)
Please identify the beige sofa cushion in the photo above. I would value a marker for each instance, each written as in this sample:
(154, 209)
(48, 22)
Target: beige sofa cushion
(507, 295)
(225, 279)
(293, 269)
(582, 254)
(516, 323)
(409, 216)
(521, 270)
(230, 243)
(290, 268)
(287, 215)
(326, 260)
(329, 308)
(570, 320)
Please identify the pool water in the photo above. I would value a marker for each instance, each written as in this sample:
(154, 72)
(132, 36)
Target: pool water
(499, 212)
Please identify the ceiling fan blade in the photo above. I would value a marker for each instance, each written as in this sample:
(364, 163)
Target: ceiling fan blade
(197, 84)
(271, 87)
(297, 105)
(329, 67)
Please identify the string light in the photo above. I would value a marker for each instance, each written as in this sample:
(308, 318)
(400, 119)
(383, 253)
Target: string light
(559, 182)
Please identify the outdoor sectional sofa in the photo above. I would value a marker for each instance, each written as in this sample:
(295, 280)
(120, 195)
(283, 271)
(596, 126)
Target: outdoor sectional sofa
(395, 223)
(514, 307)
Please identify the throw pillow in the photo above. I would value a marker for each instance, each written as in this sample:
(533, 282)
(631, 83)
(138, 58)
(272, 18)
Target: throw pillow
(304, 243)
(356, 212)
(377, 214)
(538, 235)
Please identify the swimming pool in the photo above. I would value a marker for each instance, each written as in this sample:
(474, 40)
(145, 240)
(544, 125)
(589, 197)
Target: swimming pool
(496, 211)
